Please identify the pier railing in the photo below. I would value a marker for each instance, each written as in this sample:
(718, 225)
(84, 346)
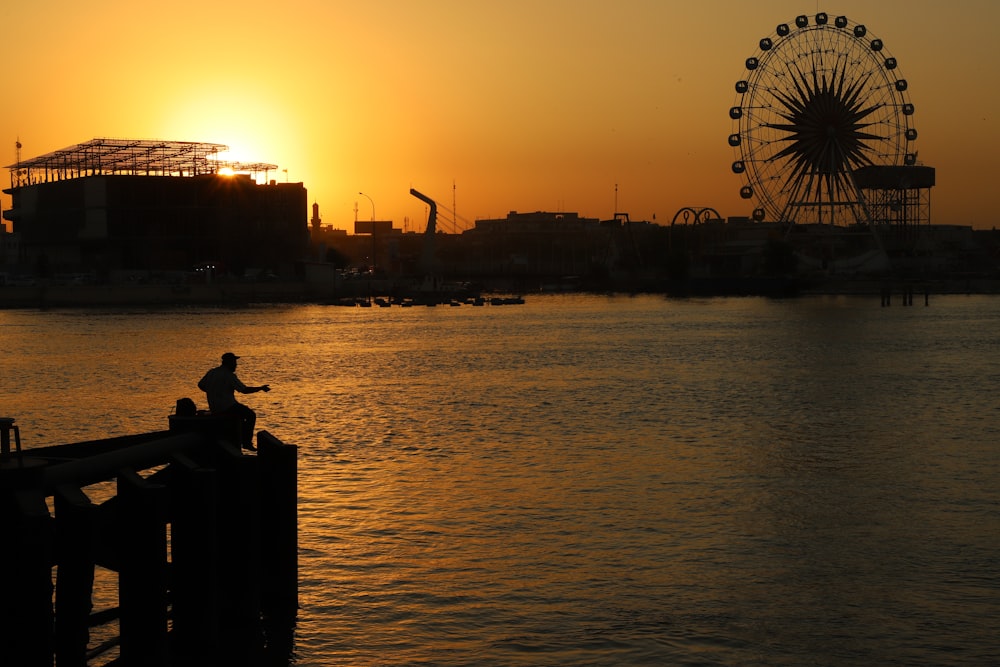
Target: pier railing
(203, 540)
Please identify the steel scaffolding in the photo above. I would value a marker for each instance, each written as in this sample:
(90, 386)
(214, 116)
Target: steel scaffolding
(134, 157)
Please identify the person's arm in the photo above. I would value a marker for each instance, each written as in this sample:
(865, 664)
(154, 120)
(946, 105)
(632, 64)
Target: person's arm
(243, 389)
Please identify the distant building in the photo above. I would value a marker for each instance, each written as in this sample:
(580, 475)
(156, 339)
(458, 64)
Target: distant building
(112, 205)
(538, 243)
(538, 222)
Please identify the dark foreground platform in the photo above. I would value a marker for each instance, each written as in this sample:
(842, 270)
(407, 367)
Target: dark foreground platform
(203, 540)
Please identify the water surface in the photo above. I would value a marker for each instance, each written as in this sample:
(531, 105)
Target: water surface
(593, 480)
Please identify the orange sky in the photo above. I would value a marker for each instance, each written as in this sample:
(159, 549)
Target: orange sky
(522, 105)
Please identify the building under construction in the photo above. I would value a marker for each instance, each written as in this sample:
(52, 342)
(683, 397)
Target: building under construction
(112, 205)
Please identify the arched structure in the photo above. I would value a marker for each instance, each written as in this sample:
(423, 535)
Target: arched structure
(696, 214)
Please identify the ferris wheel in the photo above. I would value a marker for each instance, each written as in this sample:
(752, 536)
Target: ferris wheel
(821, 99)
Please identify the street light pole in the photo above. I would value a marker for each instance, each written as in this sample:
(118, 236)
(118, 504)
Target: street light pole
(372, 203)
(373, 229)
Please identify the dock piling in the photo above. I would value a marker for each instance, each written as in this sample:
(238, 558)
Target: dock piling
(279, 522)
(74, 527)
(143, 577)
(26, 613)
(196, 583)
(194, 558)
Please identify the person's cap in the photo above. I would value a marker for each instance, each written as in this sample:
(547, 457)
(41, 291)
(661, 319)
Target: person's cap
(229, 355)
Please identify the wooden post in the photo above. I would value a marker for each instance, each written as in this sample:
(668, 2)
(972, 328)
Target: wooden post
(194, 556)
(74, 516)
(279, 522)
(239, 556)
(279, 552)
(142, 580)
(26, 567)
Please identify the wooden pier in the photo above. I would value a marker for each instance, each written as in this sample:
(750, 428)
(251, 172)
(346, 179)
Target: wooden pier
(203, 539)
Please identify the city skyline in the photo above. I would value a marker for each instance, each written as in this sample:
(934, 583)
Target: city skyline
(584, 107)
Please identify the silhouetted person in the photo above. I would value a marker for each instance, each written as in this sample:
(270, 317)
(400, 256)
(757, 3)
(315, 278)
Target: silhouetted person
(219, 384)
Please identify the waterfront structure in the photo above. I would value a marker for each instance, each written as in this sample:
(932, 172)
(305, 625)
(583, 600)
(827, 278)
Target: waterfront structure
(203, 539)
(520, 249)
(824, 142)
(136, 206)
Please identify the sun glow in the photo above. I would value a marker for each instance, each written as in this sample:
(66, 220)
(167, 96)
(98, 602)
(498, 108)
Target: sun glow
(343, 116)
(226, 171)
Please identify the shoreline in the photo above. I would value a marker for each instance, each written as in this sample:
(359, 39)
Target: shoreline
(237, 294)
